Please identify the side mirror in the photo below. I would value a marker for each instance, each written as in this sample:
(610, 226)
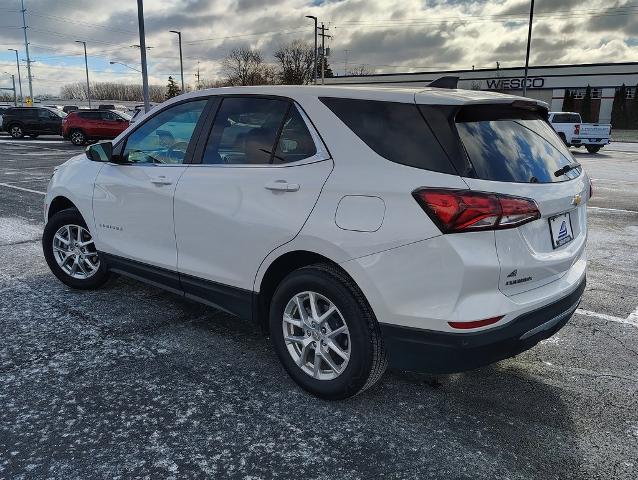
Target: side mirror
(100, 152)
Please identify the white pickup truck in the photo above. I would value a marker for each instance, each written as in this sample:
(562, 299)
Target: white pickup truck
(575, 133)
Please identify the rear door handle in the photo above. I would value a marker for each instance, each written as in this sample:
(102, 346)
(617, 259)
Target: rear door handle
(161, 180)
(282, 186)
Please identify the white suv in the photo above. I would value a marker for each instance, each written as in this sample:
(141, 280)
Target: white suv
(437, 230)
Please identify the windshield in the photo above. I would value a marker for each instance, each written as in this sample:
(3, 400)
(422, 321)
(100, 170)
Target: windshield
(515, 150)
(125, 116)
(57, 112)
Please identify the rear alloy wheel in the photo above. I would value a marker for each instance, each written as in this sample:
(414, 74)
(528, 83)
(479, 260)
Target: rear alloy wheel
(325, 333)
(593, 148)
(78, 137)
(16, 131)
(70, 251)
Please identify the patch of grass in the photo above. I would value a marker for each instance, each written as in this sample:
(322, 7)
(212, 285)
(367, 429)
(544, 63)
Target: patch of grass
(624, 136)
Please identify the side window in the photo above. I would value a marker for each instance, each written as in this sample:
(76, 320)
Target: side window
(245, 131)
(164, 138)
(44, 114)
(396, 131)
(295, 142)
(89, 115)
(108, 116)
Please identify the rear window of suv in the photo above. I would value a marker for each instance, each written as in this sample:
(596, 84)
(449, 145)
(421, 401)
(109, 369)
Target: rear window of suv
(512, 145)
(395, 131)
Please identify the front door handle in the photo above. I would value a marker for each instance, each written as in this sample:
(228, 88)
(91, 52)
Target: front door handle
(282, 186)
(161, 180)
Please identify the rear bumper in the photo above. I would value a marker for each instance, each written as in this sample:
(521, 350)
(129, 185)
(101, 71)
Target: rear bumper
(591, 141)
(444, 352)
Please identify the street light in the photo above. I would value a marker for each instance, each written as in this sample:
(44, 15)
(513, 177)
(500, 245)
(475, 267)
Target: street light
(86, 65)
(314, 75)
(19, 77)
(181, 64)
(13, 79)
(125, 65)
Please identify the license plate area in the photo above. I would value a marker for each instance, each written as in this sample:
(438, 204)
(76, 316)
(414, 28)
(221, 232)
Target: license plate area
(560, 227)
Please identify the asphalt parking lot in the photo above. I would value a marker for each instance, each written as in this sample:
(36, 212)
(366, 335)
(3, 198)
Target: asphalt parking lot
(131, 381)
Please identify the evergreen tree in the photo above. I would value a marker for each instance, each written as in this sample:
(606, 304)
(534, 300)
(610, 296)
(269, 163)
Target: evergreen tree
(619, 114)
(634, 109)
(585, 106)
(327, 70)
(568, 101)
(172, 90)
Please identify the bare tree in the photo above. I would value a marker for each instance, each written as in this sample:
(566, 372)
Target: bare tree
(295, 62)
(361, 70)
(244, 66)
(112, 91)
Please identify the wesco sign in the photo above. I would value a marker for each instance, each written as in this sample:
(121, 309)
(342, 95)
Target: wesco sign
(514, 83)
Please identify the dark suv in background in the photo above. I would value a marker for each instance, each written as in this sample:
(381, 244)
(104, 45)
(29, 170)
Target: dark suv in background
(32, 121)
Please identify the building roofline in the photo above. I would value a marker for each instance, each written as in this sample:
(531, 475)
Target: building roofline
(535, 67)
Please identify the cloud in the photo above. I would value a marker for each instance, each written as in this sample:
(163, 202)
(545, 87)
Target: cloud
(386, 35)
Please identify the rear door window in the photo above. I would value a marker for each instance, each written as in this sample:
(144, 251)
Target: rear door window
(512, 145)
(395, 131)
(245, 131)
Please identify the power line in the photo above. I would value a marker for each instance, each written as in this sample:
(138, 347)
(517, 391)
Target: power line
(82, 24)
(280, 32)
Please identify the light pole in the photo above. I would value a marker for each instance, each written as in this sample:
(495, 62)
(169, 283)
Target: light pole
(86, 66)
(19, 77)
(13, 79)
(529, 41)
(140, 22)
(181, 63)
(314, 75)
(125, 65)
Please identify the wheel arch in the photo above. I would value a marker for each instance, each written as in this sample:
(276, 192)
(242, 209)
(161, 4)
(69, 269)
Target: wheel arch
(58, 204)
(278, 269)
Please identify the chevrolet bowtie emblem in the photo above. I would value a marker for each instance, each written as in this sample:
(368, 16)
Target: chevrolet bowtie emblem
(576, 200)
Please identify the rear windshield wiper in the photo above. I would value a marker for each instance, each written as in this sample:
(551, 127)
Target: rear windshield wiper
(566, 168)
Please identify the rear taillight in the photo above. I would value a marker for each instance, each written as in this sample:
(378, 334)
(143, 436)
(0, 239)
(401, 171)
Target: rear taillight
(455, 211)
(576, 129)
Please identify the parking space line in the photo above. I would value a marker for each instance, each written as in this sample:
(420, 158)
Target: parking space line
(632, 318)
(15, 187)
(619, 210)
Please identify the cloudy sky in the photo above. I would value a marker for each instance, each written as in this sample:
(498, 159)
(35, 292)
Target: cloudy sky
(386, 36)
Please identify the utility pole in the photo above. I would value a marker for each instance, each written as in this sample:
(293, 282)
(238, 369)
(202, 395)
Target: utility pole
(323, 52)
(345, 63)
(86, 66)
(197, 75)
(140, 22)
(529, 41)
(181, 63)
(26, 47)
(314, 75)
(13, 80)
(19, 77)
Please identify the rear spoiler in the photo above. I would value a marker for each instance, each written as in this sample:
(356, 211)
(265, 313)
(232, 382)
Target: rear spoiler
(445, 82)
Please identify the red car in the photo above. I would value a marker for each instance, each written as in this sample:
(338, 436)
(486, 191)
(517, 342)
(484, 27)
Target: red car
(83, 125)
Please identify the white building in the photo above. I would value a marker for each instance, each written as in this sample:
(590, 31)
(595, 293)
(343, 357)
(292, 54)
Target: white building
(547, 83)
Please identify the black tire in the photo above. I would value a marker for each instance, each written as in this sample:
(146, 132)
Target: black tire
(16, 131)
(367, 361)
(78, 137)
(34, 135)
(593, 148)
(69, 217)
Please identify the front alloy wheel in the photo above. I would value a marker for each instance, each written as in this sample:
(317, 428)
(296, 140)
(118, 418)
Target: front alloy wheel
(71, 253)
(317, 337)
(75, 253)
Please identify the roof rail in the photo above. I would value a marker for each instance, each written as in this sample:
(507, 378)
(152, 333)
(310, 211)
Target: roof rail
(445, 82)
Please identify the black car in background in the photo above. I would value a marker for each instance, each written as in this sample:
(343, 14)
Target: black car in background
(32, 121)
